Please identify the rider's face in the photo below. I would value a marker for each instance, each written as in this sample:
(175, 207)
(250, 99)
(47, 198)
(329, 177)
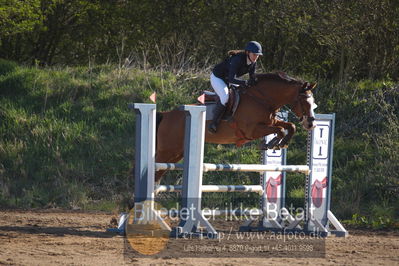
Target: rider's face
(253, 57)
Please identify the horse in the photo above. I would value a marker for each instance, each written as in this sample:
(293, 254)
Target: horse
(254, 118)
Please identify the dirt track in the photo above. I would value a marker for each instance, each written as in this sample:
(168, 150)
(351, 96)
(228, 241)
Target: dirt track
(51, 237)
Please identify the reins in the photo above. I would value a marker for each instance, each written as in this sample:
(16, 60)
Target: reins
(265, 102)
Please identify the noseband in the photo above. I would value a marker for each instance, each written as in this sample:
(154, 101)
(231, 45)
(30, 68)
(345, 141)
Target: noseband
(310, 119)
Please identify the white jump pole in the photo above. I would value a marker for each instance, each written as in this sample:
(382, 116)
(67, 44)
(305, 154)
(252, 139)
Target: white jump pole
(238, 167)
(214, 188)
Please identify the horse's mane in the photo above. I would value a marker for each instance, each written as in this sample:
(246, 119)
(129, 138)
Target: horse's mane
(278, 76)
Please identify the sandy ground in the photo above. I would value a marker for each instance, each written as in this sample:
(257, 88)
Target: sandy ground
(53, 237)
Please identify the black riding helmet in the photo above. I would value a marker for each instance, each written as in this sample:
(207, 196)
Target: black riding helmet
(254, 47)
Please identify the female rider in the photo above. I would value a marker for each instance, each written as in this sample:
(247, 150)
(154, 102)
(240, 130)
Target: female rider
(227, 72)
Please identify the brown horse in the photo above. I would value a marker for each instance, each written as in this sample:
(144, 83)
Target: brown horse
(254, 118)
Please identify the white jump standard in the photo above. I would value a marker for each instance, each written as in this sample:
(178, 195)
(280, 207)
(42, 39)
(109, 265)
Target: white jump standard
(193, 168)
(317, 216)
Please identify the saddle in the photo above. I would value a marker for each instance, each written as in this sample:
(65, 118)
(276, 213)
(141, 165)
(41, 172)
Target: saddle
(271, 188)
(211, 99)
(317, 192)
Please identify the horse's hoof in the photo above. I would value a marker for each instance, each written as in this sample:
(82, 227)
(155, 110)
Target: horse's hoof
(284, 146)
(263, 146)
(272, 147)
(273, 143)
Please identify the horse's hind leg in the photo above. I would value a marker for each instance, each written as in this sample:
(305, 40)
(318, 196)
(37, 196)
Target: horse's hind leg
(166, 157)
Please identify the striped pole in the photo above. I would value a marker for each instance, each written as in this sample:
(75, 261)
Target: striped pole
(238, 167)
(214, 188)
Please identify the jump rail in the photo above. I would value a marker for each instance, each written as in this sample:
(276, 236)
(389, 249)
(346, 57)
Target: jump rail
(317, 199)
(238, 167)
(214, 188)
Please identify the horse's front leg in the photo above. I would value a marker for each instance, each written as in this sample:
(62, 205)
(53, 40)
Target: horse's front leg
(291, 129)
(262, 130)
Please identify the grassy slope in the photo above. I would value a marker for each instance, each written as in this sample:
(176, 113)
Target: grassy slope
(67, 137)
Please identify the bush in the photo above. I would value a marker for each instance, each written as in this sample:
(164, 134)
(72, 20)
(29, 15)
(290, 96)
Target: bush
(7, 66)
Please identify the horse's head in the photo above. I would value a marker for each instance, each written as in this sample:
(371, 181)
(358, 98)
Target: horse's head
(304, 106)
(278, 89)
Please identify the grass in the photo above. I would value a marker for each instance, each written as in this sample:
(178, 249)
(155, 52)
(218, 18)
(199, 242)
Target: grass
(67, 139)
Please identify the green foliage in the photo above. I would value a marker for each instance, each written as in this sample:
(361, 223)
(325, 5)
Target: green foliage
(316, 38)
(381, 217)
(6, 66)
(19, 16)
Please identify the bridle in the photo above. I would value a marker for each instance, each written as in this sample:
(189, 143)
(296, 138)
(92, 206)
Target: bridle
(305, 95)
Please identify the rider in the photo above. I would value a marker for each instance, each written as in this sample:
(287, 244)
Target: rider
(225, 73)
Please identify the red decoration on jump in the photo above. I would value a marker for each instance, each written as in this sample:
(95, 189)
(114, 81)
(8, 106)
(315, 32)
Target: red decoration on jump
(201, 98)
(271, 188)
(317, 191)
(153, 97)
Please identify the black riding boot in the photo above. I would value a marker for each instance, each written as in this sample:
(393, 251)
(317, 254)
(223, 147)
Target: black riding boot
(217, 116)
